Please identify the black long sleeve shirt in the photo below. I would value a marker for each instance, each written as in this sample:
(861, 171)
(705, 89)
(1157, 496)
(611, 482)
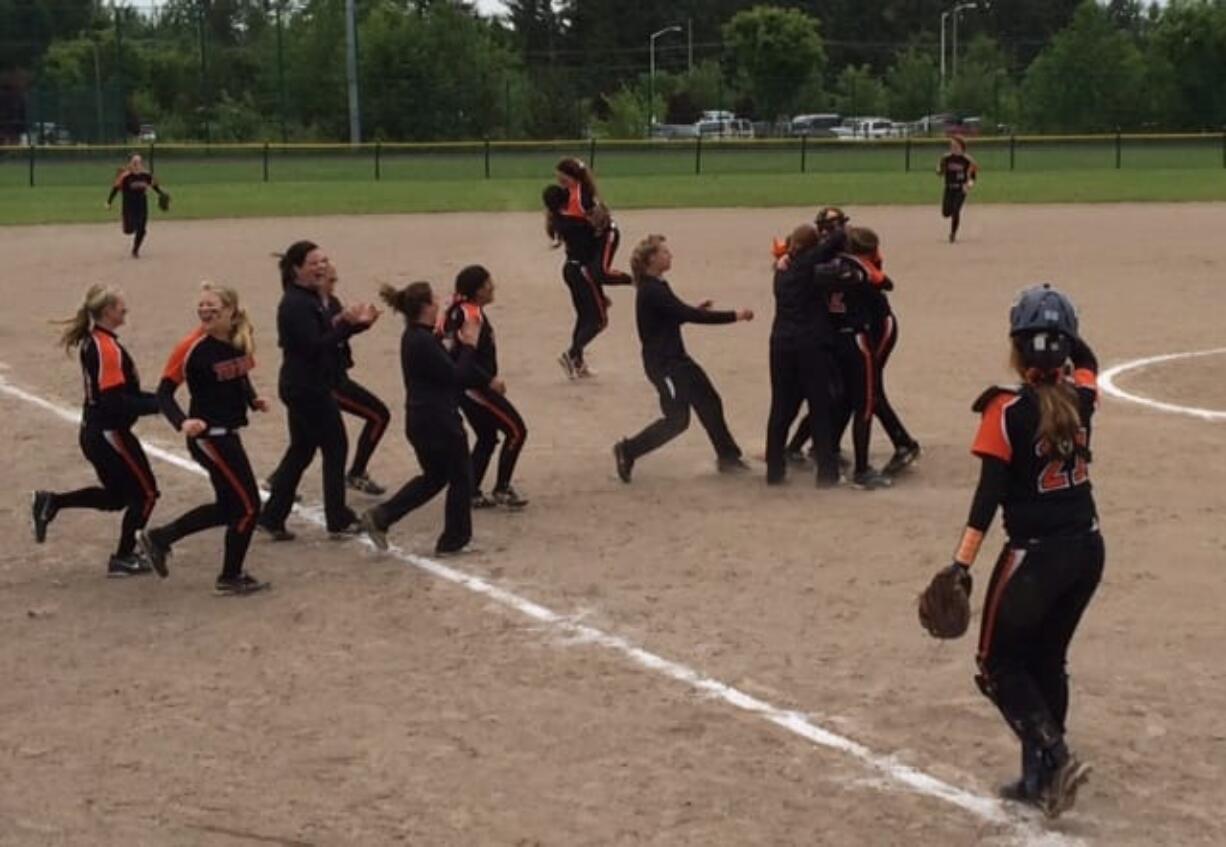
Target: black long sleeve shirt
(113, 397)
(309, 340)
(660, 315)
(216, 374)
(433, 379)
(458, 313)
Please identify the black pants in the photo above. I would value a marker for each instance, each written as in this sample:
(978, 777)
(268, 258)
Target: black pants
(490, 413)
(1035, 600)
(800, 373)
(237, 505)
(136, 221)
(127, 481)
(357, 400)
(853, 353)
(684, 385)
(603, 267)
(591, 309)
(442, 452)
(951, 207)
(890, 422)
(314, 424)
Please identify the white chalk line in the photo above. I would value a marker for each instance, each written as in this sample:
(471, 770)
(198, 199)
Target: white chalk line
(986, 808)
(1106, 381)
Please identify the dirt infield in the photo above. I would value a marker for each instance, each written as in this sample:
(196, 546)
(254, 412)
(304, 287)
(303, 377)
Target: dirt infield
(364, 702)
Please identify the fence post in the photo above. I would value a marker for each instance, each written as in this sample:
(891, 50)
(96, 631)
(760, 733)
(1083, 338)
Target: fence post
(378, 160)
(152, 149)
(266, 161)
(698, 155)
(907, 155)
(591, 153)
(1119, 149)
(31, 162)
(804, 152)
(1224, 147)
(1012, 150)
(487, 158)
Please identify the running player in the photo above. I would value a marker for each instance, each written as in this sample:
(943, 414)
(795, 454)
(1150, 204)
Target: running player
(310, 372)
(433, 381)
(680, 381)
(113, 402)
(486, 407)
(960, 172)
(586, 294)
(134, 182)
(356, 399)
(215, 361)
(1034, 449)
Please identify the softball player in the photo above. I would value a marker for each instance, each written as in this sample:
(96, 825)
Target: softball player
(1034, 447)
(215, 361)
(113, 403)
(134, 183)
(486, 406)
(583, 203)
(960, 173)
(586, 294)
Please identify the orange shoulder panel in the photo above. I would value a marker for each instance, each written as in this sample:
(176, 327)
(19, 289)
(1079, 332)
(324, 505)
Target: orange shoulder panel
(176, 364)
(993, 436)
(110, 361)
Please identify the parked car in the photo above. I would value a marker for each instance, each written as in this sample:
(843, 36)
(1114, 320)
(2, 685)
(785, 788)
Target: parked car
(671, 132)
(865, 128)
(725, 128)
(820, 125)
(148, 134)
(46, 133)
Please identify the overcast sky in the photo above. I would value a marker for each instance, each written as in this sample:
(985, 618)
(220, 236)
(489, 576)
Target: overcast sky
(491, 7)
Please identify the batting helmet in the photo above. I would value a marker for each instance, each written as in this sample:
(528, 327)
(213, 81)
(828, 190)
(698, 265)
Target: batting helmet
(1043, 323)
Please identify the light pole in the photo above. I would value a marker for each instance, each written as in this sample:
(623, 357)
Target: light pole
(651, 76)
(953, 13)
(99, 135)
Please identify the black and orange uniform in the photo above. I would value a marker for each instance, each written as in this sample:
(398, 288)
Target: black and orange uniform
(135, 187)
(113, 403)
(801, 365)
(310, 374)
(586, 293)
(681, 382)
(217, 377)
(488, 412)
(583, 205)
(1051, 563)
(433, 381)
(357, 400)
(959, 170)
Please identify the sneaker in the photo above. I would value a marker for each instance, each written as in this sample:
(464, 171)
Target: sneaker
(244, 583)
(902, 458)
(482, 501)
(42, 512)
(797, 458)
(568, 364)
(1061, 792)
(870, 480)
(350, 530)
(508, 498)
(154, 552)
(363, 483)
(734, 464)
(376, 533)
(624, 463)
(582, 371)
(463, 550)
(276, 533)
(129, 565)
(271, 481)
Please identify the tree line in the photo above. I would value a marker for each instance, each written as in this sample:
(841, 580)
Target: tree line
(249, 70)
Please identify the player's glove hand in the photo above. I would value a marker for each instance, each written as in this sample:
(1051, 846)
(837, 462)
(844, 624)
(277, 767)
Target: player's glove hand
(945, 605)
(164, 201)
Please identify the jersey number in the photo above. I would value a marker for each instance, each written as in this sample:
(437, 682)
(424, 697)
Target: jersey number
(1057, 475)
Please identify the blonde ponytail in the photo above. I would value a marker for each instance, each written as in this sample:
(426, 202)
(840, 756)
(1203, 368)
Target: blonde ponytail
(1059, 416)
(98, 298)
(242, 332)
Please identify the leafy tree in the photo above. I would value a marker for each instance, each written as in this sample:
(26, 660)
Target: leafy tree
(859, 93)
(1189, 55)
(913, 84)
(776, 53)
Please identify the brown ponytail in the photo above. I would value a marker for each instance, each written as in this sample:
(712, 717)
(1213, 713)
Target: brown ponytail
(408, 301)
(98, 298)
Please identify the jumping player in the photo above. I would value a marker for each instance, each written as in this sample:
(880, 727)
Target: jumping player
(586, 294)
(486, 407)
(215, 361)
(134, 182)
(960, 172)
(433, 381)
(680, 381)
(113, 402)
(354, 398)
(1034, 448)
(583, 202)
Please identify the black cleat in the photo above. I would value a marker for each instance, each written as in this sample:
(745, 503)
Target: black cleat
(362, 482)
(1061, 793)
(508, 498)
(483, 501)
(129, 565)
(244, 583)
(870, 479)
(797, 458)
(732, 464)
(154, 552)
(624, 463)
(276, 533)
(352, 529)
(42, 512)
(374, 530)
(465, 549)
(903, 458)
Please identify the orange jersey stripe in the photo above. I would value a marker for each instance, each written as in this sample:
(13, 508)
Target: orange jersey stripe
(174, 370)
(110, 361)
